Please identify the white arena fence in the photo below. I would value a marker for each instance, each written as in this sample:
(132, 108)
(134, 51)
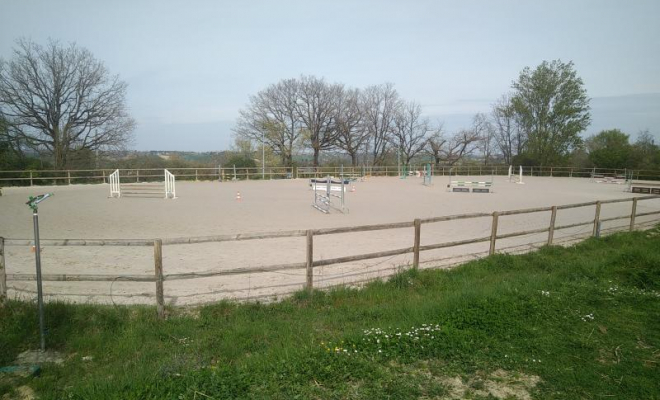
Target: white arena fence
(491, 221)
(69, 177)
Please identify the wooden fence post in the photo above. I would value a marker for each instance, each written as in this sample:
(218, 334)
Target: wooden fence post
(196, 176)
(68, 177)
(158, 263)
(493, 233)
(633, 214)
(31, 182)
(418, 231)
(551, 231)
(103, 172)
(597, 219)
(137, 176)
(310, 262)
(3, 273)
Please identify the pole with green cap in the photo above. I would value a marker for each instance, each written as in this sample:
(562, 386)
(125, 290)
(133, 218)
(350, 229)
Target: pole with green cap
(33, 203)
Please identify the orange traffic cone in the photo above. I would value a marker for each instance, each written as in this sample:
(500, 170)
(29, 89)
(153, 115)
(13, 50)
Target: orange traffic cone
(238, 196)
(352, 188)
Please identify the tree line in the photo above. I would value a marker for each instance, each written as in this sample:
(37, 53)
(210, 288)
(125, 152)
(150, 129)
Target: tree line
(538, 123)
(61, 103)
(310, 114)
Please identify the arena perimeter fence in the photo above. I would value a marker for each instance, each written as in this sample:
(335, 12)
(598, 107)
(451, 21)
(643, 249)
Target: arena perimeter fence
(68, 177)
(310, 263)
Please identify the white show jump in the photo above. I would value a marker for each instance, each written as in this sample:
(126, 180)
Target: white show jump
(617, 179)
(469, 186)
(323, 194)
(115, 189)
(146, 189)
(170, 185)
(513, 178)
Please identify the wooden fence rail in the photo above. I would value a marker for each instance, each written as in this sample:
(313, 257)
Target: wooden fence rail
(159, 276)
(35, 177)
(81, 278)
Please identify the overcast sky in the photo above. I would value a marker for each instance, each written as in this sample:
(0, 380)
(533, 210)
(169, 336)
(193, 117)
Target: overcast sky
(191, 65)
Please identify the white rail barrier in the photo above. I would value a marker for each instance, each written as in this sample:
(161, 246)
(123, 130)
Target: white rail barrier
(115, 188)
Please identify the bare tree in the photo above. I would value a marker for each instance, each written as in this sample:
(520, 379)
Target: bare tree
(483, 129)
(452, 150)
(508, 137)
(351, 132)
(62, 100)
(317, 108)
(462, 144)
(435, 144)
(381, 103)
(272, 116)
(409, 130)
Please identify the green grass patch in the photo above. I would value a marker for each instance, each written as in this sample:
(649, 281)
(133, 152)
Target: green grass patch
(560, 323)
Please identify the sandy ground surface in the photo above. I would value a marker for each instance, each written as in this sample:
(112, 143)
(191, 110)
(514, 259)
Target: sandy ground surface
(211, 208)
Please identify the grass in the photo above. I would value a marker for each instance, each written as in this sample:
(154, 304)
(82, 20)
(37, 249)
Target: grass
(560, 323)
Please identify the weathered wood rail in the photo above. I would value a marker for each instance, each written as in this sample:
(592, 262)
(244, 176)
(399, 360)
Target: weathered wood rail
(230, 173)
(309, 264)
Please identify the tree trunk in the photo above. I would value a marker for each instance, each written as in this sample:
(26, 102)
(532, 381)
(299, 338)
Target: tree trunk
(60, 155)
(354, 158)
(317, 151)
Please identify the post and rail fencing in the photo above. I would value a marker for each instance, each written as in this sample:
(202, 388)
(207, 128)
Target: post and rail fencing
(159, 276)
(231, 173)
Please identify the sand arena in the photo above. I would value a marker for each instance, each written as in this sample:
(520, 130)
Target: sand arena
(211, 208)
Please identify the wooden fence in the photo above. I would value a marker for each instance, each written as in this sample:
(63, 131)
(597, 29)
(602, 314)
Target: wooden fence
(68, 177)
(309, 263)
